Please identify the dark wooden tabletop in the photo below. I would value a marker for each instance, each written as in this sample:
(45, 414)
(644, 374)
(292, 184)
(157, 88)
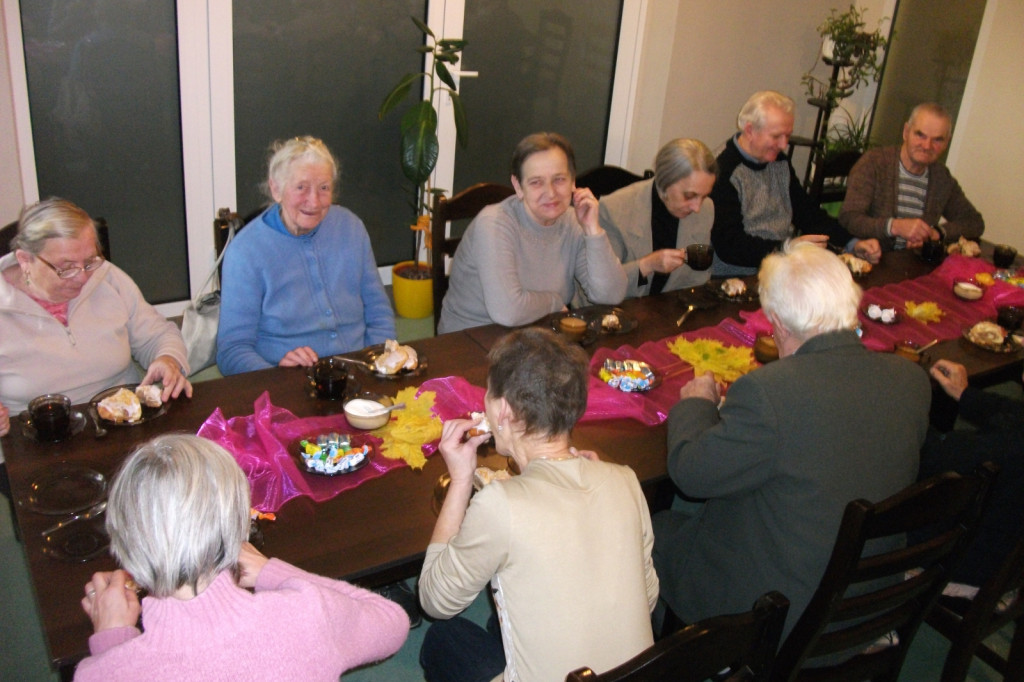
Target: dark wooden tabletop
(377, 532)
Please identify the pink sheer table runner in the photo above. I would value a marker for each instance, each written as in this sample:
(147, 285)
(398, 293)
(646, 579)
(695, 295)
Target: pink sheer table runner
(265, 444)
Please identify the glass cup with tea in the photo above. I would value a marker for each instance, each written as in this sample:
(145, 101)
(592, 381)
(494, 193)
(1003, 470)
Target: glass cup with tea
(51, 417)
(1003, 255)
(1010, 317)
(933, 251)
(329, 378)
(699, 256)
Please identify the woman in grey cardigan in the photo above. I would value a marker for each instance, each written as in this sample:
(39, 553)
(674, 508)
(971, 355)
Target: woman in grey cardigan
(522, 259)
(650, 223)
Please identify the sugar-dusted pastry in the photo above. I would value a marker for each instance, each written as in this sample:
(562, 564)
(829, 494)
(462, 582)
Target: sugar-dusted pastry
(396, 358)
(123, 406)
(734, 287)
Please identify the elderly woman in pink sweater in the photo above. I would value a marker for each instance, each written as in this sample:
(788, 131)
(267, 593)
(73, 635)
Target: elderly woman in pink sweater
(178, 518)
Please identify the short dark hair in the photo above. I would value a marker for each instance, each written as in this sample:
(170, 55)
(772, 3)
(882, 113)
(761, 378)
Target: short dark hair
(540, 142)
(543, 377)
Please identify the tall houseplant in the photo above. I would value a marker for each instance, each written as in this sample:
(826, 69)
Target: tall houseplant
(418, 149)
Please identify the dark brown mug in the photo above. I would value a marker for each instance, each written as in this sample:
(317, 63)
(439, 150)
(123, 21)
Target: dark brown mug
(699, 256)
(1003, 255)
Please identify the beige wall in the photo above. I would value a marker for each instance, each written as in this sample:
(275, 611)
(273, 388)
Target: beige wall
(987, 151)
(718, 53)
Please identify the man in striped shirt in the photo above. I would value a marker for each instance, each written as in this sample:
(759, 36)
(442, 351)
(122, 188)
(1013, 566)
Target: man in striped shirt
(899, 195)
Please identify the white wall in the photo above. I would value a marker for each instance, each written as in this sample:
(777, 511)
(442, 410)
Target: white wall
(987, 150)
(10, 177)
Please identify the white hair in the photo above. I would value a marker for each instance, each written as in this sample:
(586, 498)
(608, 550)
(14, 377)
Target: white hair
(178, 513)
(809, 290)
(753, 110)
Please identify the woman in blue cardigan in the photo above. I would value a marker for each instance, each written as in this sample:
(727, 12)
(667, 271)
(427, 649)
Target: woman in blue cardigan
(300, 281)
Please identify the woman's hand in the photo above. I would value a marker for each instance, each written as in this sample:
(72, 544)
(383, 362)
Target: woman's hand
(110, 602)
(951, 376)
(250, 563)
(662, 260)
(167, 371)
(816, 239)
(303, 356)
(585, 204)
(459, 454)
(5, 420)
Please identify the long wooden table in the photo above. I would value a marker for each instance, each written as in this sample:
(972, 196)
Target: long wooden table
(377, 532)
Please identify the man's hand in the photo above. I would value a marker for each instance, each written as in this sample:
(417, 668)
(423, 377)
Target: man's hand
(703, 387)
(662, 260)
(303, 356)
(166, 370)
(951, 376)
(868, 249)
(914, 230)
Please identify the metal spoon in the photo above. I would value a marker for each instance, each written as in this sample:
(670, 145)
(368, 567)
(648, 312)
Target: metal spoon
(100, 431)
(927, 346)
(682, 318)
(361, 363)
(385, 409)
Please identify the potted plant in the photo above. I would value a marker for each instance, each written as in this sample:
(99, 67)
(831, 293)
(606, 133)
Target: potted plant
(853, 53)
(418, 151)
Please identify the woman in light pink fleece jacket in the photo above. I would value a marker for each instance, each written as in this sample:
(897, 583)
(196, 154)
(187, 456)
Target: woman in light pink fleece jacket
(178, 517)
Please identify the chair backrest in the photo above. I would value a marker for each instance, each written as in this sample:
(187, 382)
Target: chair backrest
(464, 205)
(10, 230)
(829, 181)
(865, 596)
(606, 179)
(967, 623)
(222, 225)
(744, 644)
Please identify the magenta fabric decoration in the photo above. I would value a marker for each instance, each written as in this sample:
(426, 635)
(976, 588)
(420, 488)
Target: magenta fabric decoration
(265, 444)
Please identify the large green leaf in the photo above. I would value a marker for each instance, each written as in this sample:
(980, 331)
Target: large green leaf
(423, 27)
(461, 124)
(419, 142)
(444, 75)
(399, 93)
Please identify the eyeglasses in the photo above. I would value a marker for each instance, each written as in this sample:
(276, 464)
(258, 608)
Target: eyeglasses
(68, 273)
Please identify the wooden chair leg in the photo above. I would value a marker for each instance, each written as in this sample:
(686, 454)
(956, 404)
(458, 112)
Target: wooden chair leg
(1015, 661)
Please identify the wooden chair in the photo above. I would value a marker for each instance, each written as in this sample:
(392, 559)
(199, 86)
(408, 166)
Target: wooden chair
(966, 623)
(865, 597)
(606, 179)
(743, 645)
(829, 181)
(464, 205)
(9, 231)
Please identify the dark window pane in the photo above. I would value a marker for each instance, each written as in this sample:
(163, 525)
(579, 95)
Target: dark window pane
(106, 125)
(322, 69)
(544, 66)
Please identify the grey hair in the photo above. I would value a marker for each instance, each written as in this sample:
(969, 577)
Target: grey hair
(286, 153)
(178, 513)
(934, 109)
(51, 218)
(678, 158)
(809, 290)
(753, 111)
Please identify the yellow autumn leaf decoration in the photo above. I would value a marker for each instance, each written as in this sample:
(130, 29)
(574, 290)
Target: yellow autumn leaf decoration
(727, 363)
(411, 428)
(926, 312)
